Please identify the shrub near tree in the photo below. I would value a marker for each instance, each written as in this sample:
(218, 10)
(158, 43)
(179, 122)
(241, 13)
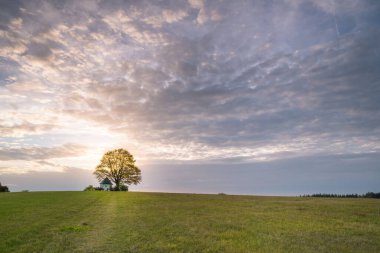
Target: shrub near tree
(119, 166)
(121, 188)
(89, 188)
(92, 188)
(3, 188)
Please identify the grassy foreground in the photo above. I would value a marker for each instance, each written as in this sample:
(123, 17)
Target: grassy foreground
(158, 222)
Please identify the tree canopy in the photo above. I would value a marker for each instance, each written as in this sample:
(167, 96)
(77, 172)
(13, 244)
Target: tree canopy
(119, 166)
(3, 188)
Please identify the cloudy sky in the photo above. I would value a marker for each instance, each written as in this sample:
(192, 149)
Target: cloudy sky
(254, 97)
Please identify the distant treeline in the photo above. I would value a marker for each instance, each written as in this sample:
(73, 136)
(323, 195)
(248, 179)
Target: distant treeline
(372, 195)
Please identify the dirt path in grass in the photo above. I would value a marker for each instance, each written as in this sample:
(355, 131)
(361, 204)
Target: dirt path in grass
(117, 227)
(102, 226)
(101, 222)
(87, 229)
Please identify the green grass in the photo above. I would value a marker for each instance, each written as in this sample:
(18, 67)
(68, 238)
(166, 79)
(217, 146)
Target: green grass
(158, 222)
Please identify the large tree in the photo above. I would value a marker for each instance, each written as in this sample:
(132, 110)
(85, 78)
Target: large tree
(119, 166)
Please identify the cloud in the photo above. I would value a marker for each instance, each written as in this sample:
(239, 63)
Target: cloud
(206, 12)
(335, 6)
(26, 128)
(44, 153)
(70, 178)
(196, 80)
(8, 11)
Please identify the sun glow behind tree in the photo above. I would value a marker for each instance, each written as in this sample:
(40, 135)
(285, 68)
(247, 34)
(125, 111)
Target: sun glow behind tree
(190, 83)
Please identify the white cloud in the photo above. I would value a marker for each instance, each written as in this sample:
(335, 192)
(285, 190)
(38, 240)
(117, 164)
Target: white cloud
(237, 85)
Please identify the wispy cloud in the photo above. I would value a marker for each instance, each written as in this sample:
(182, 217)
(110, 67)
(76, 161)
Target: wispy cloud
(190, 80)
(38, 153)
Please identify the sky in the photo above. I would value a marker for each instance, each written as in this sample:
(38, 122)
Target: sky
(241, 97)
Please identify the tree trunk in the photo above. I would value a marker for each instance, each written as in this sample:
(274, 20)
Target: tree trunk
(117, 186)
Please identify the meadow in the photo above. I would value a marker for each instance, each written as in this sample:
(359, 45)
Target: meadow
(163, 222)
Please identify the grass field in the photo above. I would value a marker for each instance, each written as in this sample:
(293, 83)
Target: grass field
(158, 222)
